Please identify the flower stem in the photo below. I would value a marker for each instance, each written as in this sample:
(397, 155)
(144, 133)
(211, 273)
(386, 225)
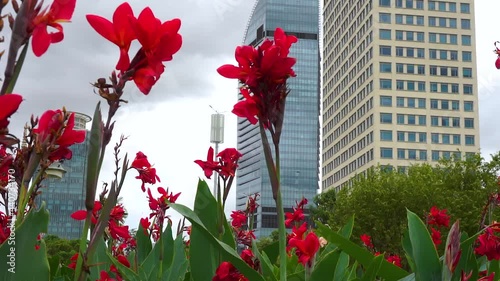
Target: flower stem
(281, 217)
(34, 162)
(79, 273)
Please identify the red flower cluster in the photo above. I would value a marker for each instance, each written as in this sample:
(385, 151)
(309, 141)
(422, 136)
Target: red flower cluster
(438, 218)
(10, 103)
(225, 165)
(55, 131)
(367, 240)
(227, 272)
(298, 213)
(488, 244)
(394, 259)
(59, 11)
(159, 42)
(497, 52)
(239, 219)
(4, 227)
(147, 174)
(466, 277)
(264, 72)
(158, 207)
(6, 160)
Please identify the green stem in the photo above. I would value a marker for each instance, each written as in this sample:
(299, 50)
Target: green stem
(17, 69)
(160, 271)
(281, 215)
(25, 193)
(79, 274)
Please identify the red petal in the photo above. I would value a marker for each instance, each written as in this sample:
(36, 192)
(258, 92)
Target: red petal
(41, 40)
(229, 71)
(10, 103)
(62, 9)
(104, 27)
(79, 215)
(497, 63)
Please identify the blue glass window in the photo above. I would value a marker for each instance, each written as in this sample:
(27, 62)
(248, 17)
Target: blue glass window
(434, 104)
(454, 88)
(384, 17)
(467, 72)
(455, 122)
(455, 105)
(385, 34)
(385, 135)
(386, 118)
(401, 118)
(469, 140)
(467, 89)
(422, 120)
(469, 122)
(465, 23)
(384, 3)
(412, 119)
(385, 100)
(400, 102)
(385, 84)
(466, 40)
(453, 39)
(411, 102)
(434, 138)
(452, 7)
(422, 155)
(445, 138)
(434, 121)
(401, 153)
(412, 136)
(456, 139)
(399, 19)
(421, 103)
(435, 155)
(412, 154)
(465, 8)
(401, 136)
(468, 106)
(422, 137)
(385, 50)
(445, 121)
(386, 152)
(466, 56)
(421, 86)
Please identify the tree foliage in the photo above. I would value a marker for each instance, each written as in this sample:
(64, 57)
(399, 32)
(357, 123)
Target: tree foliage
(323, 206)
(380, 199)
(63, 248)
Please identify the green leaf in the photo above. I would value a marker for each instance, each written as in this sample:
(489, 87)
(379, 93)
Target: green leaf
(100, 260)
(144, 244)
(18, 257)
(345, 231)
(494, 266)
(406, 242)
(342, 267)
(326, 268)
(427, 265)
(272, 251)
(387, 271)
(54, 263)
(95, 142)
(150, 264)
(228, 253)
(127, 273)
(176, 271)
(451, 252)
(372, 270)
(265, 263)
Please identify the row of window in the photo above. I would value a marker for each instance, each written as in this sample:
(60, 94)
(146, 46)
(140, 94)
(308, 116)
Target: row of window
(419, 86)
(419, 20)
(414, 154)
(442, 6)
(421, 120)
(421, 137)
(441, 38)
(409, 102)
(408, 52)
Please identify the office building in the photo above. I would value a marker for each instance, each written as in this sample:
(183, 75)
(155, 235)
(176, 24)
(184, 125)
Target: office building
(300, 138)
(399, 85)
(67, 194)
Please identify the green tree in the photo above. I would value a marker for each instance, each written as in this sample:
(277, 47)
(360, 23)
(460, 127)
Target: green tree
(380, 198)
(62, 248)
(324, 204)
(266, 241)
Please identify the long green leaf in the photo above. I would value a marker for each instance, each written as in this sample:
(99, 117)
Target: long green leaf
(100, 260)
(17, 69)
(19, 259)
(144, 245)
(372, 270)
(387, 271)
(149, 265)
(95, 142)
(326, 268)
(228, 253)
(345, 231)
(427, 265)
(177, 269)
(127, 273)
(265, 263)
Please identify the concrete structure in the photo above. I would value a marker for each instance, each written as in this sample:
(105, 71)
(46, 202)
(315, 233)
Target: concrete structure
(299, 146)
(399, 84)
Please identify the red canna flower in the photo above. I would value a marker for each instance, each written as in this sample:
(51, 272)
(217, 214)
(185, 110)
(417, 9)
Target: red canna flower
(490, 277)
(73, 260)
(225, 166)
(82, 214)
(305, 249)
(147, 174)
(264, 72)
(438, 217)
(119, 31)
(54, 130)
(367, 240)
(104, 276)
(436, 236)
(497, 52)
(245, 237)
(252, 204)
(145, 225)
(4, 227)
(453, 252)
(6, 160)
(10, 103)
(296, 216)
(210, 165)
(297, 233)
(239, 219)
(59, 11)
(488, 244)
(248, 257)
(394, 259)
(227, 272)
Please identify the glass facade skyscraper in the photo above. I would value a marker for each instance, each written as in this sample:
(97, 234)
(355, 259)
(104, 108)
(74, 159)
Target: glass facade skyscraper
(299, 146)
(65, 196)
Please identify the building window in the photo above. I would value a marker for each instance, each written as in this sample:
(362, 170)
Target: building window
(401, 153)
(386, 152)
(386, 67)
(420, 53)
(412, 119)
(385, 34)
(401, 136)
(385, 101)
(400, 118)
(444, 88)
(445, 138)
(453, 55)
(421, 86)
(412, 137)
(467, 89)
(465, 8)
(422, 137)
(385, 135)
(385, 50)
(453, 39)
(456, 139)
(435, 155)
(386, 118)
(445, 104)
(386, 84)
(384, 3)
(468, 106)
(466, 56)
(453, 23)
(469, 123)
(466, 40)
(467, 72)
(445, 121)
(469, 140)
(400, 85)
(384, 17)
(411, 102)
(442, 6)
(399, 19)
(422, 120)
(434, 121)
(434, 104)
(465, 23)
(422, 155)
(400, 102)
(455, 105)
(454, 88)
(434, 138)
(455, 122)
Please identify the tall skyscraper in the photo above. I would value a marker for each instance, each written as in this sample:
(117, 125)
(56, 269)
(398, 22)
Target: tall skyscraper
(399, 85)
(299, 146)
(66, 195)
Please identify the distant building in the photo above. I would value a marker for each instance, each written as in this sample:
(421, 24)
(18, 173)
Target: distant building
(299, 146)
(399, 85)
(66, 195)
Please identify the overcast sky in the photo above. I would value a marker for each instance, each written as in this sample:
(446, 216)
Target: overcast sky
(172, 124)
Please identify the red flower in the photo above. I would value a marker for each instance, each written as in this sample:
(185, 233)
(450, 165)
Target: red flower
(104, 276)
(147, 174)
(123, 260)
(4, 227)
(118, 231)
(119, 31)
(248, 257)
(225, 166)
(160, 41)
(52, 130)
(59, 11)
(436, 236)
(305, 249)
(488, 244)
(252, 204)
(490, 277)
(394, 259)
(10, 103)
(438, 217)
(245, 237)
(6, 160)
(82, 214)
(239, 219)
(264, 72)
(297, 233)
(73, 260)
(497, 52)
(227, 272)
(296, 216)
(367, 240)
(145, 225)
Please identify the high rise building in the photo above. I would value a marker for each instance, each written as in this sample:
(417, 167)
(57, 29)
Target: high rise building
(399, 85)
(299, 146)
(67, 194)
